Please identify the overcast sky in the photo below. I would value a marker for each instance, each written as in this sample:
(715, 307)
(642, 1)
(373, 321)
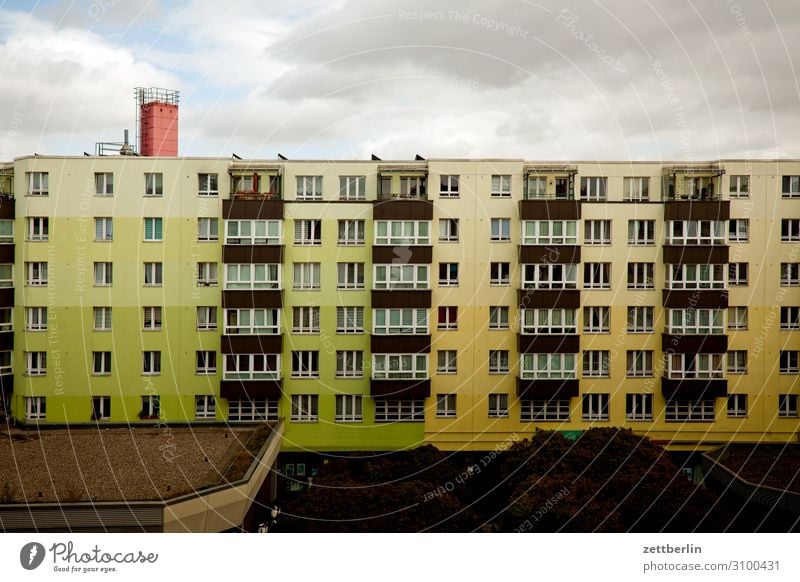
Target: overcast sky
(607, 79)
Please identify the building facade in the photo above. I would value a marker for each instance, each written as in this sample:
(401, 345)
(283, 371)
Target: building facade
(380, 305)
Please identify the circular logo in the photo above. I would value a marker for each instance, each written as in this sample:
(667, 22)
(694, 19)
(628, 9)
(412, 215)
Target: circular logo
(31, 555)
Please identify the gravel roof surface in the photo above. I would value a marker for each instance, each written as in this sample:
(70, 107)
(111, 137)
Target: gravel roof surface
(114, 464)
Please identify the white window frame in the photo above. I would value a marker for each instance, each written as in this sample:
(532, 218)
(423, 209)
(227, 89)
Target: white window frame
(305, 319)
(6, 231)
(689, 411)
(597, 232)
(37, 273)
(153, 221)
(101, 407)
(35, 407)
(104, 184)
(7, 319)
(594, 407)
(208, 229)
(35, 318)
(306, 276)
(789, 362)
(252, 321)
(640, 319)
(695, 366)
(691, 277)
(641, 276)
(103, 274)
(500, 230)
(38, 229)
(395, 277)
(596, 364)
(205, 362)
(639, 406)
(548, 321)
(739, 186)
(103, 229)
(102, 318)
(736, 319)
(151, 318)
(593, 314)
(790, 317)
(501, 186)
(400, 366)
(251, 367)
(350, 276)
(352, 187)
(550, 276)
(498, 405)
(101, 363)
(449, 185)
(305, 408)
(352, 232)
(597, 276)
(445, 406)
(737, 361)
(308, 232)
(499, 317)
(349, 364)
(693, 321)
(246, 410)
(305, 364)
(35, 363)
(594, 188)
(207, 274)
(204, 321)
(448, 230)
(153, 274)
(695, 232)
(450, 278)
(253, 232)
(738, 274)
(737, 405)
(788, 405)
(399, 410)
(639, 363)
(349, 408)
(499, 274)
(402, 232)
(400, 321)
(205, 407)
(739, 230)
(641, 232)
(499, 362)
(635, 189)
(450, 320)
(555, 410)
(153, 184)
(207, 184)
(549, 232)
(38, 184)
(151, 363)
(790, 230)
(446, 361)
(548, 366)
(252, 276)
(790, 275)
(309, 188)
(349, 319)
(790, 186)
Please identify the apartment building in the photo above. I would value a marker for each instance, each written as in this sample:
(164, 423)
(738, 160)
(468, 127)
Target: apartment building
(378, 305)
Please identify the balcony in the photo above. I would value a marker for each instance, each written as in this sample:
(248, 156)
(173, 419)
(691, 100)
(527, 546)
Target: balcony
(696, 255)
(694, 344)
(549, 209)
(549, 253)
(400, 388)
(248, 298)
(694, 298)
(552, 344)
(548, 389)
(252, 344)
(693, 389)
(252, 208)
(250, 389)
(564, 298)
(402, 255)
(412, 344)
(250, 253)
(401, 298)
(7, 205)
(402, 209)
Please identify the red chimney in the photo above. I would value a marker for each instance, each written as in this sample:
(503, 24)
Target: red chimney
(157, 116)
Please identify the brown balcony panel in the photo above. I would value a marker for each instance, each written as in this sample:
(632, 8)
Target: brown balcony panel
(6, 340)
(252, 254)
(250, 389)
(7, 297)
(252, 344)
(402, 210)
(549, 254)
(697, 210)
(252, 299)
(696, 255)
(402, 255)
(566, 298)
(6, 386)
(693, 389)
(7, 208)
(698, 298)
(400, 388)
(244, 209)
(400, 344)
(547, 389)
(549, 344)
(694, 344)
(549, 209)
(402, 298)
(6, 253)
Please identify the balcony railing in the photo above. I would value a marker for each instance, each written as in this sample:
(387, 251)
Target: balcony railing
(401, 196)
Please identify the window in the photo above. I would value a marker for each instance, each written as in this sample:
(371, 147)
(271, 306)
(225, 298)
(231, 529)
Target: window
(537, 187)
(594, 407)
(790, 317)
(402, 232)
(544, 410)
(737, 362)
(6, 231)
(501, 186)
(36, 318)
(253, 276)
(151, 363)
(548, 367)
(352, 187)
(640, 363)
(596, 319)
(639, 406)
(351, 232)
(737, 405)
(207, 229)
(207, 274)
(699, 188)
(498, 405)
(498, 317)
(448, 274)
(548, 321)
(151, 407)
(448, 230)
(258, 321)
(545, 232)
(737, 274)
(309, 188)
(695, 276)
(694, 366)
(7, 319)
(205, 407)
(549, 276)
(791, 187)
(597, 276)
(401, 277)
(640, 276)
(446, 362)
(101, 363)
(690, 411)
(259, 410)
(695, 232)
(737, 317)
(305, 320)
(498, 362)
(207, 185)
(5, 362)
(641, 232)
(596, 364)
(305, 408)
(448, 318)
(35, 407)
(738, 230)
(412, 186)
(500, 274)
(153, 229)
(349, 320)
(102, 319)
(6, 275)
(787, 405)
(101, 407)
(349, 364)
(308, 232)
(349, 408)
(38, 228)
(448, 186)
(306, 276)
(153, 184)
(206, 318)
(399, 321)
(206, 362)
(789, 362)
(593, 189)
(445, 406)
(153, 274)
(253, 232)
(597, 232)
(640, 319)
(740, 188)
(38, 184)
(790, 230)
(36, 363)
(350, 276)
(251, 367)
(152, 318)
(790, 274)
(103, 229)
(399, 410)
(501, 229)
(104, 184)
(37, 274)
(636, 189)
(399, 366)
